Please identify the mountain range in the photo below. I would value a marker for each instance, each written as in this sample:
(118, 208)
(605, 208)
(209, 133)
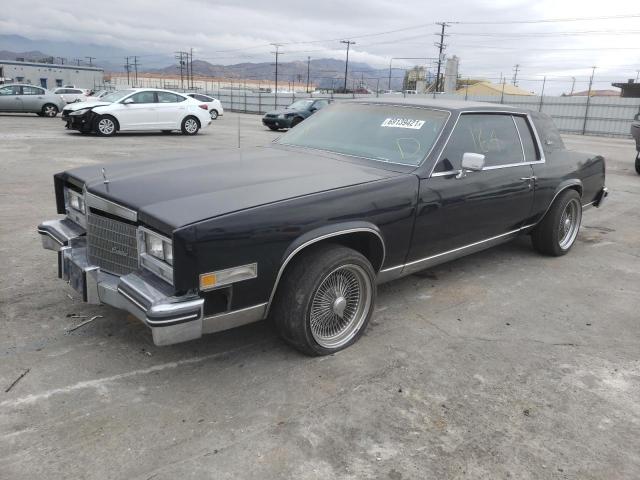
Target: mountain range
(326, 72)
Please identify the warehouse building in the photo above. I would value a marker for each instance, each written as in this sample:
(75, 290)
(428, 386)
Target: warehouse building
(49, 75)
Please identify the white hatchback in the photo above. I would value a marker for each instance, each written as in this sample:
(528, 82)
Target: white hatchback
(139, 109)
(71, 95)
(213, 104)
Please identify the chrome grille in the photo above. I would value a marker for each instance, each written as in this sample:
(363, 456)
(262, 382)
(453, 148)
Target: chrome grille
(112, 244)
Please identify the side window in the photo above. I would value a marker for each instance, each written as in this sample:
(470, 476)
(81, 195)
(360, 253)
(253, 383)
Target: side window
(493, 135)
(320, 104)
(144, 97)
(8, 91)
(201, 98)
(166, 97)
(31, 91)
(530, 150)
(58, 82)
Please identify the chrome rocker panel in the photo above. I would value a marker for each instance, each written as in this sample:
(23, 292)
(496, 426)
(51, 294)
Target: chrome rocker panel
(172, 319)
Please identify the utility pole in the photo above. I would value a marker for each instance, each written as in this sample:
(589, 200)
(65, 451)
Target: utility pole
(127, 68)
(586, 109)
(61, 60)
(308, 70)
(516, 69)
(191, 66)
(573, 84)
(180, 58)
(346, 65)
(277, 54)
(135, 68)
(77, 61)
(90, 60)
(441, 46)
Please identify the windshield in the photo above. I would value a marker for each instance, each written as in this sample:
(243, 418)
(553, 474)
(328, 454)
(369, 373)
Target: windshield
(117, 95)
(385, 133)
(300, 105)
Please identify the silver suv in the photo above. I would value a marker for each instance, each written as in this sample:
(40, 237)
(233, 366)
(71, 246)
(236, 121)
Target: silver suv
(29, 99)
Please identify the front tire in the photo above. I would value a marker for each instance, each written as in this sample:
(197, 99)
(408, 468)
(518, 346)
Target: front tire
(190, 126)
(325, 300)
(49, 110)
(106, 126)
(558, 230)
(296, 121)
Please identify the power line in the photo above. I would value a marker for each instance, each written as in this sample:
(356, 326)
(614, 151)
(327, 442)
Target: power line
(552, 20)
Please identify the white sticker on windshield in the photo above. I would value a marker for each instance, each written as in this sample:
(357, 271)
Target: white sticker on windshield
(403, 123)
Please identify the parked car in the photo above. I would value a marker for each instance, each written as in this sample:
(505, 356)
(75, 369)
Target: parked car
(29, 99)
(213, 104)
(293, 114)
(138, 109)
(96, 96)
(70, 95)
(635, 132)
(304, 228)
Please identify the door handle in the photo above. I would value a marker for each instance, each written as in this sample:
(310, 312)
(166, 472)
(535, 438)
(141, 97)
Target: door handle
(529, 179)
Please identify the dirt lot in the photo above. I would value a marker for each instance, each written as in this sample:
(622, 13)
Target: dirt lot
(505, 364)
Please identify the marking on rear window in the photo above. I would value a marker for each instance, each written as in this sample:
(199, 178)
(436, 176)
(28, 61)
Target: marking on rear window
(403, 123)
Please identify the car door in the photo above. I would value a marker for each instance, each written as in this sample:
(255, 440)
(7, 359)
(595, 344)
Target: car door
(32, 99)
(170, 109)
(137, 111)
(460, 210)
(10, 100)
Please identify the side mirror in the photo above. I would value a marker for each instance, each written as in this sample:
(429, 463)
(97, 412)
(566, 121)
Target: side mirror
(128, 101)
(473, 162)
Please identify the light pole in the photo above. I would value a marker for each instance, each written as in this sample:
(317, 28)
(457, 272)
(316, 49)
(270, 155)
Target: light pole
(308, 70)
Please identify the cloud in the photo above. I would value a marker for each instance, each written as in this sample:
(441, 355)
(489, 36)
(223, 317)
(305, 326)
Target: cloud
(229, 31)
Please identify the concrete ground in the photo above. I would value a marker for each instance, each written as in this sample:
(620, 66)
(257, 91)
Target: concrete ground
(505, 364)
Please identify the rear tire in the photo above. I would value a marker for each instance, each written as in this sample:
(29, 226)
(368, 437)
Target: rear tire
(214, 114)
(325, 300)
(558, 230)
(49, 110)
(638, 163)
(190, 125)
(106, 126)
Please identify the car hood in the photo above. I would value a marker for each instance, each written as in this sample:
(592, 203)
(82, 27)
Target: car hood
(173, 192)
(86, 104)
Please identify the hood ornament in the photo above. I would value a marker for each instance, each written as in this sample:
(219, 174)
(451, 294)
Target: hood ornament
(104, 176)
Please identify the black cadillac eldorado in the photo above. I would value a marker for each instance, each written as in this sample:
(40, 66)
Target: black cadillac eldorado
(303, 229)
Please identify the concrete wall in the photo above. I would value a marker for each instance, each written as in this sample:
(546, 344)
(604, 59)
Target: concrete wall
(27, 72)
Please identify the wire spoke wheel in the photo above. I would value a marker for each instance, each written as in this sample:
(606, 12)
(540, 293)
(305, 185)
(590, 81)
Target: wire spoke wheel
(569, 224)
(340, 306)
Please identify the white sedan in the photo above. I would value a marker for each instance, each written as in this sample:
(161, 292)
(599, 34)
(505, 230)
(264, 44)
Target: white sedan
(213, 104)
(71, 95)
(138, 109)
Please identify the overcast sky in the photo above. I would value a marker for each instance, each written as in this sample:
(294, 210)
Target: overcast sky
(231, 31)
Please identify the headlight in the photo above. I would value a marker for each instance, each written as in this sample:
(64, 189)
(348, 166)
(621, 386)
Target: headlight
(82, 111)
(74, 200)
(156, 253)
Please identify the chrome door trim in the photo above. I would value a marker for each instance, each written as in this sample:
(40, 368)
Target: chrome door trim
(422, 263)
(316, 240)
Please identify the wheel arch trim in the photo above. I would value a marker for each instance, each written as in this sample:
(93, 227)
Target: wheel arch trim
(565, 185)
(317, 235)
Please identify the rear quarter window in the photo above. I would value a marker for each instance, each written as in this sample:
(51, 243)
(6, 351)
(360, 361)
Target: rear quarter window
(547, 132)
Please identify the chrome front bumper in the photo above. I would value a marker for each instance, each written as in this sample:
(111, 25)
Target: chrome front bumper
(171, 319)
